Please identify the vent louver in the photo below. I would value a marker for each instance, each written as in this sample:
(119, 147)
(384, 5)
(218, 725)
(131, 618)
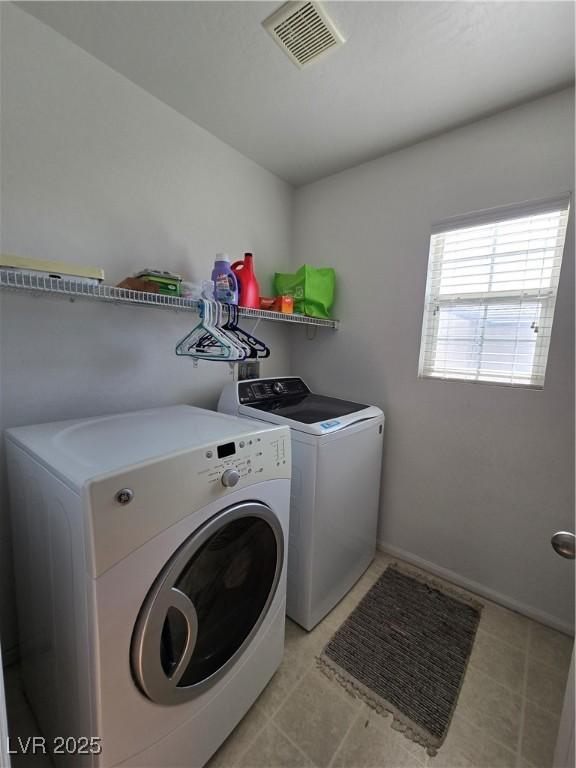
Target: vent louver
(303, 31)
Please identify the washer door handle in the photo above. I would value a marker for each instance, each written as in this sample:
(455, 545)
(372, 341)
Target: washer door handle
(184, 606)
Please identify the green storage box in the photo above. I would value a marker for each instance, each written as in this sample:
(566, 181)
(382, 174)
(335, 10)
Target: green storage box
(312, 289)
(167, 282)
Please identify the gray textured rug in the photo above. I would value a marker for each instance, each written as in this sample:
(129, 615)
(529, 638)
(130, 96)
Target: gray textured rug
(404, 650)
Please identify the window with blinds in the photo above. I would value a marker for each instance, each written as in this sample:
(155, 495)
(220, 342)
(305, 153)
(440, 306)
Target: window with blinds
(490, 295)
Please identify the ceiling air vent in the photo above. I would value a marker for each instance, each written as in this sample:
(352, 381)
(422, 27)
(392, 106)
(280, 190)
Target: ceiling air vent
(303, 31)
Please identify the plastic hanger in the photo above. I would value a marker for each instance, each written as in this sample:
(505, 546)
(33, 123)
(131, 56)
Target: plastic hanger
(242, 349)
(218, 346)
(257, 347)
(213, 340)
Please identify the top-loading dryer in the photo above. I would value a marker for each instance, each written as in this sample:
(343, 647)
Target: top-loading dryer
(335, 492)
(151, 572)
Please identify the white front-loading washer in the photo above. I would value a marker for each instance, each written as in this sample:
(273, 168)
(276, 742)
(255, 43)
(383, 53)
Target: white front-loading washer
(336, 470)
(150, 554)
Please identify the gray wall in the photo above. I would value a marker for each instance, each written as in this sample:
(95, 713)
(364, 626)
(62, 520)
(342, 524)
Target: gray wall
(476, 477)
(97, 171)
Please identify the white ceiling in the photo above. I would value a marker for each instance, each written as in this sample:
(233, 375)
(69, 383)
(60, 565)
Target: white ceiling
(408, 70)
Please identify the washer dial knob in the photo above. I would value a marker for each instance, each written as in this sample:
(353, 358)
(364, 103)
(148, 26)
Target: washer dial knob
(230, 478)
(278, 387)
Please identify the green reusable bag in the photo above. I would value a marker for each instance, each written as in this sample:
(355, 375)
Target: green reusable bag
(312, 289)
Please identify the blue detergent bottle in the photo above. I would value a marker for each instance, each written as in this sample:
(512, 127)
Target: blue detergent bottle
(225, 282)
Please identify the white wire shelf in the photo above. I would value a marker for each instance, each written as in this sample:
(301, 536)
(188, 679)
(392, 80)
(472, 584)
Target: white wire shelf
(16, 280)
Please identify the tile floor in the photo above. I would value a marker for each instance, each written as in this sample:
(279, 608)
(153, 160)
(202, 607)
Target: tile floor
(507, 714)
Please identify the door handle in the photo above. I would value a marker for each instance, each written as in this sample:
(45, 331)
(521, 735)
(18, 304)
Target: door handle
(182, 603)
(563, 543)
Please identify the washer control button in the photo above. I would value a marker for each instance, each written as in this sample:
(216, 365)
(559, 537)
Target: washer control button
(230, 478)
(209, 454)
(124, 496)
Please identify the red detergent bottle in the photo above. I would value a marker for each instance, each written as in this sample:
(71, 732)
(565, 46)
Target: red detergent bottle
(247, 284)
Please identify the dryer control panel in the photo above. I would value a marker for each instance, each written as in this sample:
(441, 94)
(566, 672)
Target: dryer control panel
(252, 458)
(131, 506)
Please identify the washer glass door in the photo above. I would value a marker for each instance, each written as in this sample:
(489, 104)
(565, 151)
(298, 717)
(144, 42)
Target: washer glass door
(207, 603)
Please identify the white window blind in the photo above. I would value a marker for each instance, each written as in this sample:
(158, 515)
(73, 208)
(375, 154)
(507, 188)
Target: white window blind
(490, 295)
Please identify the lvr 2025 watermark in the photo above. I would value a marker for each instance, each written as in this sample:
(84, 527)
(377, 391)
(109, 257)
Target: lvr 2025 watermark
(59, 745)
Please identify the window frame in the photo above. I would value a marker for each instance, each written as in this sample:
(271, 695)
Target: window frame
(547, 300)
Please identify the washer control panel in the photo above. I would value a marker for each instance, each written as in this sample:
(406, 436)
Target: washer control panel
(252, 458)
(261, 390)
